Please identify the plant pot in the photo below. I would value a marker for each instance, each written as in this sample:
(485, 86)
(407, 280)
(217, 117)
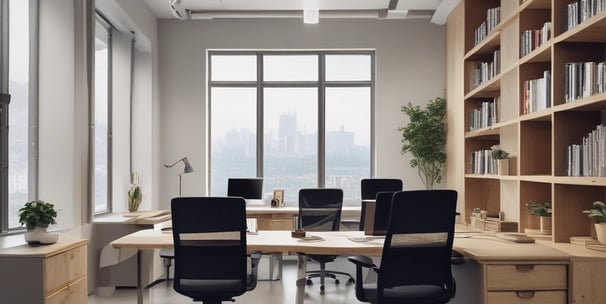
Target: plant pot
(39, 235)
(545, 224)
(600, 231)
(503, 166)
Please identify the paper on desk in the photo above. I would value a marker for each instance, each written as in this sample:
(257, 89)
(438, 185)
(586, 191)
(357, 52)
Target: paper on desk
(112, 256)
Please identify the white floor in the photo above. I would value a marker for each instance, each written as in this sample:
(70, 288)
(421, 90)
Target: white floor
(267, 292)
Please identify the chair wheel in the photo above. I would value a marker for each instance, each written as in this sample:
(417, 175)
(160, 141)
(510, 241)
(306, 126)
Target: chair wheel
(337, 281)
(322, 289)
(309, 282)
(351, 281)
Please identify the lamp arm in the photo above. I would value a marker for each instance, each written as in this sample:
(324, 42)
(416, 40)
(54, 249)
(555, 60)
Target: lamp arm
(170, 166)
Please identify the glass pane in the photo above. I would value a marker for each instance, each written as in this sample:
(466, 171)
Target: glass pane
(291, 140)
(234, 67)
(290, 68)
(101, 160)
(233, 126)
(348, 67)
(18, 134)
(347, 140)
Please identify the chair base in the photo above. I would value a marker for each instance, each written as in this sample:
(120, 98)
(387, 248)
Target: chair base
(327, 274)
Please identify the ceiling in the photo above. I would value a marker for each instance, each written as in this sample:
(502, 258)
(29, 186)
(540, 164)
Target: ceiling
(437, 10)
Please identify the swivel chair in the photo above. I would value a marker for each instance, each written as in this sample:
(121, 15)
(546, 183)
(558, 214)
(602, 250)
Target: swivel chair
(416, 260)
(370, 187)
(209, 235)
(320, 210)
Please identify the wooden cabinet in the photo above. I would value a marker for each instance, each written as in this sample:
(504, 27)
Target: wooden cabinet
(45, 274)
(516, 92)
(525, 283)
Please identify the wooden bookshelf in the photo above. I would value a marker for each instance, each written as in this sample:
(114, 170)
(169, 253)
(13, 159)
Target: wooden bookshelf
(537, 141)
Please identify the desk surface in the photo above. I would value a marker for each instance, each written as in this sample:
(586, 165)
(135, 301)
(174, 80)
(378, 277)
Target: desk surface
(477, 246)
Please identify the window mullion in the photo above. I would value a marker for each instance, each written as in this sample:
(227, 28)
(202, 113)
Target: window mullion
(321, 121)
(260, 92)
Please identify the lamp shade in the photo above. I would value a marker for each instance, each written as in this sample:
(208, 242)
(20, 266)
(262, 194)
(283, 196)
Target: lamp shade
(188, 168)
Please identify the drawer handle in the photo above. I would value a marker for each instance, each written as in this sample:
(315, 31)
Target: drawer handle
(525, 294)
(525, 267)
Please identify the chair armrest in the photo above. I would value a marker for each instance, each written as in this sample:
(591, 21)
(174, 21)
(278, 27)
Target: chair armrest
(456, 258)
(363, 261)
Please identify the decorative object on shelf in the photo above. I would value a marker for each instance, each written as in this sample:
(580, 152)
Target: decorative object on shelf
(278, 198)
(134, 192)
(37, 216)
(543, 211)
(597, 214)
(502, 158)
(425, 138)
(187, 168)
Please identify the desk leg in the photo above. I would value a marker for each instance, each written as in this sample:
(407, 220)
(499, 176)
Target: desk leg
(139, 278)
(301, 280)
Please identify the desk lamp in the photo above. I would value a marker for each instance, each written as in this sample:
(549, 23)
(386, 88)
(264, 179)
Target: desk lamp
(186, 169)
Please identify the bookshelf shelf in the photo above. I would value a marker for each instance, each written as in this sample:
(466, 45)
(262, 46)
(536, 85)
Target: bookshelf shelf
(539, 138)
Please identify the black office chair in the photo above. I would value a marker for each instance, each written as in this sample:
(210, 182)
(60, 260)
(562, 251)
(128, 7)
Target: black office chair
(320, 210)
(376, 220)
(209, 236)
(371, 186)
(416, 260)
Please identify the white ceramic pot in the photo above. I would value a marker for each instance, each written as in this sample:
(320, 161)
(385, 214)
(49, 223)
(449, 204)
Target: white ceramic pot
(600, 231)
(40, 236)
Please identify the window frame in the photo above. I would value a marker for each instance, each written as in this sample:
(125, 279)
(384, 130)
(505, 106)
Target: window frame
(102, 20)
(321, 84)
(32, 110)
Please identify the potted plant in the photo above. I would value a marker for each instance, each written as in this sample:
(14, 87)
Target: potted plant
(37, 216)
(134, 193)
(425, 138)
(543, 211)
(597, 214)
(502, 158)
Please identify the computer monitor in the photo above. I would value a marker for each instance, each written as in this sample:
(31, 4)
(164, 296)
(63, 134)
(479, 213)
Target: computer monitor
(248, 188)
(377, 214)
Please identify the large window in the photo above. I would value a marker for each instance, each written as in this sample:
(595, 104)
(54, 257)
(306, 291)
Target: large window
(298, 119)
(18, 138)
(102, 136)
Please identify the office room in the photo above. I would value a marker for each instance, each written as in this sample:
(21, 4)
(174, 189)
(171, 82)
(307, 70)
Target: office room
(118, 93)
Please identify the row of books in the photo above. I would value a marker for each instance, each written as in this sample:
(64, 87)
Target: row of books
(579, 11)
(484, 116)
(583, 79)
(532, 39)
(588, 158)
(483, 163)
(493, 17)
(537, 94)
(485, 71)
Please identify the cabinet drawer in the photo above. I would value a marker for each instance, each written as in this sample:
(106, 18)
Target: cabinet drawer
(526, 297)
(526, 277)
(64, 268)
(75, 293)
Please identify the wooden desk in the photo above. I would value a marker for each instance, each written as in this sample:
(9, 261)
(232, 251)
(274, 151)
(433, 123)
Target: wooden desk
(506, 268)
(283, 218)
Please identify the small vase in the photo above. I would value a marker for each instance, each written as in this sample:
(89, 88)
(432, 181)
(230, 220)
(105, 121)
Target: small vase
(545, 224)
(600, 231)
(503, 166)
(39, 235)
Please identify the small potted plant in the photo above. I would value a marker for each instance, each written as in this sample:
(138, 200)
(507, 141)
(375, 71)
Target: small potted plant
(502, 158)
(37, 216)
(543, 211)
(597, 214)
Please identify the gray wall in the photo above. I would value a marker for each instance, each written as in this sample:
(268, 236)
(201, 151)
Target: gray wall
(410, 63)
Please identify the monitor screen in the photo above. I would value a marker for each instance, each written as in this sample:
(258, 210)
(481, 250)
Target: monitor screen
(248, 188)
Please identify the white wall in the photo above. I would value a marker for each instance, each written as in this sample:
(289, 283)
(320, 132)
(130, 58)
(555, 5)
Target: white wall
(410, 62)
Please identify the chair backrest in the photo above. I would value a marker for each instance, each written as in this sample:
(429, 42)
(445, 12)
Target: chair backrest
(248, 188)
(419, 238)
(369, 189)
(371, 186)
(209, 235)
(320, 209)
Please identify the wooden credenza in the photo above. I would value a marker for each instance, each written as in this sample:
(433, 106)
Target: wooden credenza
(50, 274)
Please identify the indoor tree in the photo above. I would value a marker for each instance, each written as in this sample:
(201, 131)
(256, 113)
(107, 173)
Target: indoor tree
(425, 138)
